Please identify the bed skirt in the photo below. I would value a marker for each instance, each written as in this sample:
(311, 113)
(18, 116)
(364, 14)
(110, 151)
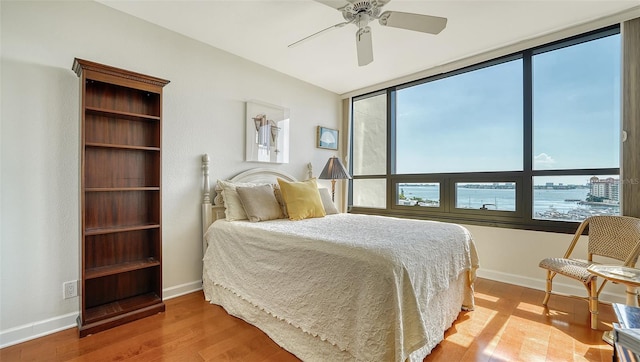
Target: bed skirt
(312, 348)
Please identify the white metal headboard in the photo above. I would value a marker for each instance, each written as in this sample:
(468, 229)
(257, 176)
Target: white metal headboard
(212, 205)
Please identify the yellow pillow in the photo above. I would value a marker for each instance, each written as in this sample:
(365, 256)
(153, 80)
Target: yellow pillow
(302, 199)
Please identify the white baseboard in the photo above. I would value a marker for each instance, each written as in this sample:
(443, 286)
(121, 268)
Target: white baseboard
(181, 289)
(540, 284)
(38, 329)
(30, 331)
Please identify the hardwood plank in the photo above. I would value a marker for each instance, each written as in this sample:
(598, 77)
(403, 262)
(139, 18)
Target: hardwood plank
(509, 323)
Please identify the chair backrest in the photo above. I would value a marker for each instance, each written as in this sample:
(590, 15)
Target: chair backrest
(615, 237)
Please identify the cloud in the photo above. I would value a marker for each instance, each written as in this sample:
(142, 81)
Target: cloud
(543, 160)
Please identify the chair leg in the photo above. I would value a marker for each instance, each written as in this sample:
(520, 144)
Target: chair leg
(550, 276)
(593, 303)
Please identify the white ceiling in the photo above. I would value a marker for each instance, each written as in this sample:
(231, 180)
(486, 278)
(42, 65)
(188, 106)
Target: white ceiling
(261, 30)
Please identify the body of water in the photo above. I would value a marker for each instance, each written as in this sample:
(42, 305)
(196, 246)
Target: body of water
(547, 203)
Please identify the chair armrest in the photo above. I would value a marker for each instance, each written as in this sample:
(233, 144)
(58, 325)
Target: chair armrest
(576, 237)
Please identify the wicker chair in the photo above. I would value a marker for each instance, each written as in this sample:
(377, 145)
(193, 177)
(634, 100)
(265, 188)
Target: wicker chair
(616, 237)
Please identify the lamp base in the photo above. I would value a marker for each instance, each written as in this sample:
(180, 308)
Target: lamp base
(333, 190)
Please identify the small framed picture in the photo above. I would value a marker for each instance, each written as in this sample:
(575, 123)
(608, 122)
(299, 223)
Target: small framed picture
(327, 138)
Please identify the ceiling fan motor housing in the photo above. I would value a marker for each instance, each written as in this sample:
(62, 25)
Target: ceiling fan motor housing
(361, 12)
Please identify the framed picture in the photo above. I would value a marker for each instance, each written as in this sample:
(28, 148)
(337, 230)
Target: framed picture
(267, 133)
(327, 138)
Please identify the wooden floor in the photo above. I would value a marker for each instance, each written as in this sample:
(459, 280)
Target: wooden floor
(508, 324)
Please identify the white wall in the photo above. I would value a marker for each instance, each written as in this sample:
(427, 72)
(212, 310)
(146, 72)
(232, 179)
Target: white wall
(203, 113)
(204, 110)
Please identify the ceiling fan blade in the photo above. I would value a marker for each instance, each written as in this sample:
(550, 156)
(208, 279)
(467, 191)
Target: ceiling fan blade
(336, 4)
(317, 33)
(417, 22)
(364, 46)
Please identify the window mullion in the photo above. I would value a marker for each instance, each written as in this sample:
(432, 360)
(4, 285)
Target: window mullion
(527, 152)
(391, 146)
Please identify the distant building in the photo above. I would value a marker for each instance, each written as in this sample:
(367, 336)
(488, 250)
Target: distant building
(608, 188)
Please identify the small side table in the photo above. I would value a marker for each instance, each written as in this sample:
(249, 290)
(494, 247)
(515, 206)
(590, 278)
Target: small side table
(630, 277)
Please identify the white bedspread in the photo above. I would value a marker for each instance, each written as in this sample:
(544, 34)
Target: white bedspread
(360, 282)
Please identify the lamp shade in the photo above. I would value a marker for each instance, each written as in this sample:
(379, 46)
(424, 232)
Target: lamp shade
(334, 170)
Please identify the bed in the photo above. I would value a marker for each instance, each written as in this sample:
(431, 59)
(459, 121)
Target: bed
(342, 287)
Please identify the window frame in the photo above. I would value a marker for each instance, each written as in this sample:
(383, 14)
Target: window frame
(522, 217)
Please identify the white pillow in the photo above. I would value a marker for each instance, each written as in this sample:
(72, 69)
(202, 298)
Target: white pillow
(233, 206)
(329, 206)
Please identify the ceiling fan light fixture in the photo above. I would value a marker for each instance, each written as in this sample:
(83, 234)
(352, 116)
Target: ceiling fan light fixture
(362, 20)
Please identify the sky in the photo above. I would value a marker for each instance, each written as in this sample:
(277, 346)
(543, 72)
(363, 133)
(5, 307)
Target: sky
(474, 121)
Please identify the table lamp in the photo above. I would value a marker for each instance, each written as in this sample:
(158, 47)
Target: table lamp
(334, 170)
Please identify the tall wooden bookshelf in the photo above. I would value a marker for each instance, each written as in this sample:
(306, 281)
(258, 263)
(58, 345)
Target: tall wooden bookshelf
(121, 231)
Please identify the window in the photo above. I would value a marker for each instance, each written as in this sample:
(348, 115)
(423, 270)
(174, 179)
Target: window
(469, 122)
(576, 126)
(527, 141)
(576, 106)
(574, 198)
(486, 196)
(418, 194)
(369, 134)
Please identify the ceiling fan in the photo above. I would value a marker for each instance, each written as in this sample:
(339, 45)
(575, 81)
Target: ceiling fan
(361, 12)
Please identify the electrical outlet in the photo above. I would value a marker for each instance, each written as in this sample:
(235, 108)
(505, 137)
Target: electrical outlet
(70, 289)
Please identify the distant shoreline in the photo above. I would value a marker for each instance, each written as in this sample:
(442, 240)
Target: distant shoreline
(501, 186)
